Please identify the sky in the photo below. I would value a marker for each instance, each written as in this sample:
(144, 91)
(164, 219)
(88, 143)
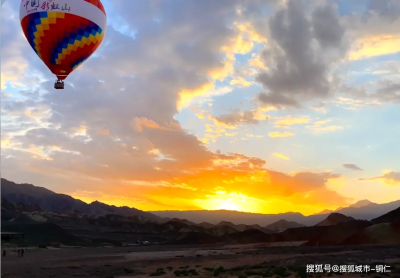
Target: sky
(263, 106)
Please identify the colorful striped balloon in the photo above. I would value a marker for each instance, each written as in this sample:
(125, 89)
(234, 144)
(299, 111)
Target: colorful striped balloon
(63, 33)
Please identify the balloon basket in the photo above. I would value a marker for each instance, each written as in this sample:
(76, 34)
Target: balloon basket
(59, 84)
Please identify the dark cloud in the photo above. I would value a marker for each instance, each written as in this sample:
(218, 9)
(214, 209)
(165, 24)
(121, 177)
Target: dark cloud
(389, 9)
(388, 93)
(235, 118)
(326, 27)
(352, 167)
(277, 100)
(299, 67)
(188, 35)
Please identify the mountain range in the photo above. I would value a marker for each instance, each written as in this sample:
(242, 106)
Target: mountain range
(51, 201)
(364, 210)
(48, 218)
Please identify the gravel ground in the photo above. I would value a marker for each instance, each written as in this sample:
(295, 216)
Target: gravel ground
(141, 261)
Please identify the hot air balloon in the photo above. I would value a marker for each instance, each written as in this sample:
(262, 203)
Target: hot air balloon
(63, 33)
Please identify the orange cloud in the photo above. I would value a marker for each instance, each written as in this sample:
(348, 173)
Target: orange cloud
(319, 126)
(12, 70)
(281, 156)
(141, 123)
(201, 180)
(225, 69)
(289, 120)
(248, 29)
(200, 115)
(257, 62)
(231, 134)
(375, 45)
(187, 95)
(241, 43)
(278, 134)
(144, 122)
(388, 177)
(239, 81)
(103, 131)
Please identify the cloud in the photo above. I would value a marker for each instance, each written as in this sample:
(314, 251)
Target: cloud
(14, 63)
(257, 62)
(377, 45)
(239, 81)
(281, 156)
(389, 92)
(276, 100)
(374, 32)
(389, 177)
(352, 167)
(385, 91)
(265, 185)
(187, 95)
(278, 134)
(320, 126)
(389, 9)
(236, 118)
(288, 121)
(299, 68)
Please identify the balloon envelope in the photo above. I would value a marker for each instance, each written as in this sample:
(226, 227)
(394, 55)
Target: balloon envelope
(63, 33)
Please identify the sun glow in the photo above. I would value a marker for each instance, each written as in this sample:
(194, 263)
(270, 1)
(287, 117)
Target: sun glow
(228, 205)
(228, 201)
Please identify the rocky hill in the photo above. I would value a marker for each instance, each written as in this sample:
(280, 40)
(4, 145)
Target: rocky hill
(383, 230)
(336, 233)
(390, 217)
(334, 219)
(282, 225)
(47, 200)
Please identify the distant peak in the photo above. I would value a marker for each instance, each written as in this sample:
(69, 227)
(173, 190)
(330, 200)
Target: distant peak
(282, 221)
(335, 218)
(339, 217)
(325, 211)
(97, 203)
(229, 210)
(361, 203)
(283, 224)
(225, 223)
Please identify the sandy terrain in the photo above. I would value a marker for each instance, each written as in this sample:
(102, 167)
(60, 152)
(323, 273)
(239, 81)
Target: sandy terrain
(205, 261)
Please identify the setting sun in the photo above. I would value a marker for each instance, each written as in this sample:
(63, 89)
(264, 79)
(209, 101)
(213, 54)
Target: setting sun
(228, 205)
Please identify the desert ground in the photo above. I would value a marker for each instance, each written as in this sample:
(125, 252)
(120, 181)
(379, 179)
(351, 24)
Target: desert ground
(277, 260)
